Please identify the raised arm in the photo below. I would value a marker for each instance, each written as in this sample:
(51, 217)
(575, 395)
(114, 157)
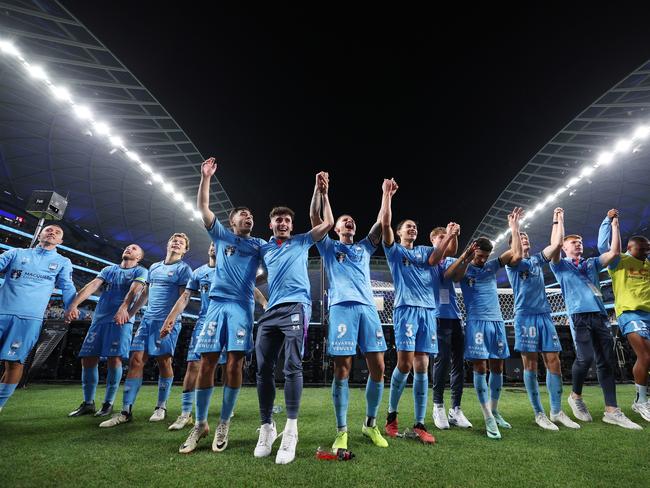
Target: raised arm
(557, 234)
(605, 231)
(208, 168)
(315, 205)
(439, 252)
(452, 247)
(554, 249)
(320, 230)
(91, 287)
(389, 187)
(516, 249)
(615, 249)
(456, 271)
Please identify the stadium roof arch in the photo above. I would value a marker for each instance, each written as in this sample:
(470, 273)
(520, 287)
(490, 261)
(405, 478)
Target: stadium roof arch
(599, 160)
(134, 184)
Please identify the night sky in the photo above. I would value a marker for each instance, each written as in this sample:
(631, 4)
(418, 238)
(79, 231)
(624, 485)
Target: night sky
(450, 104)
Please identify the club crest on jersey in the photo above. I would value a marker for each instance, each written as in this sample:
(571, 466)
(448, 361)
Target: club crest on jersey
(471, 282)
(205, 287)
(15, 273)
(406, 262)
(524, 275)
(53, 266)
(229, 250)
(340, 257)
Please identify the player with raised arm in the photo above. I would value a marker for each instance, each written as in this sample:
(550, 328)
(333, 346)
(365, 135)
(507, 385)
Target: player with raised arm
(630, 274)
(485, 331)
(285, 323)
(578, 278)
(534, 329)
(353, 317)
(414, 312)
(229, 319)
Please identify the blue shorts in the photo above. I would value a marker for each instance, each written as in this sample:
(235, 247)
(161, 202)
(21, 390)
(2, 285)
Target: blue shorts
(486, 339)
(536, 333)
(106, 340)
(228, 325)
(192, 355)
(415, 329)
(17, 337)
(636, 321)
(147, 338)
(352, 323)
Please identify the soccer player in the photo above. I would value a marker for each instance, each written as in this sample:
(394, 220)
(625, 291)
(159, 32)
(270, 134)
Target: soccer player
(630, 274)
(111, 330)
(414, 312)
(451, 340)
(578, 278)
(229, 319)
(165, 283)
(200, 282)
(534, 329)
(353, 318)
(285, 322)
(30, 277)
(485, 331)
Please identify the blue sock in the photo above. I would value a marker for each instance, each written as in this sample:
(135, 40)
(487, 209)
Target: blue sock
(481, 387)
(397, 384)
(340, 398)
(6, 390)
(131, 389)
(187, 400)
(164, 389)
(554, 387)
(113, 377)
(203, 397)
(496, 382)
(89, 380)
(532, 387)
(229, 400)
(420, 395)
(374, 391)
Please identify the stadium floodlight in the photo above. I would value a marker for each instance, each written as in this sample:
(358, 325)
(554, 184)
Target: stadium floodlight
(36, 71)
(586, 171)
(102, 129)
(623, 146)
(196, 214)
(549, 199)
(84, 113)
(116, 141)
(641, 132)
(605, 158)
(573, 181)
(9, 48)
(133, 156)
(61, 93)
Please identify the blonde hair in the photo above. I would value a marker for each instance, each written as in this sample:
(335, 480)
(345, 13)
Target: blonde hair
(182, 236)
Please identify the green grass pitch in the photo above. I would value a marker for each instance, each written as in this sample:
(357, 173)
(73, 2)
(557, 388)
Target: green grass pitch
(40, 446)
